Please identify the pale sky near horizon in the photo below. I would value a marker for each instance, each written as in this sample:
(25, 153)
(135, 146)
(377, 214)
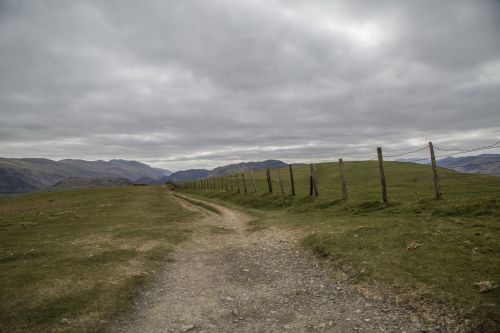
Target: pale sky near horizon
(198, 84)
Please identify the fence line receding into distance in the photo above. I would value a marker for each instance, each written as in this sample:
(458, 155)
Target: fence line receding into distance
(386, 172)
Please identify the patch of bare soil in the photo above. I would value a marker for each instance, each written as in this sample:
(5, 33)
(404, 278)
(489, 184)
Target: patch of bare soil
(262, 281)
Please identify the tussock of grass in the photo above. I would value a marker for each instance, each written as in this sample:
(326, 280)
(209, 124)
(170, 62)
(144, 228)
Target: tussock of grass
(458, 236)
(81, 255)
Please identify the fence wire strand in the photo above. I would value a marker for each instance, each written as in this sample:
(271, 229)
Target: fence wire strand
(407, 152)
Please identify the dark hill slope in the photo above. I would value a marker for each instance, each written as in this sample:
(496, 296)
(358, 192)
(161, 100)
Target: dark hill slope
(18, 175)
(79, 182)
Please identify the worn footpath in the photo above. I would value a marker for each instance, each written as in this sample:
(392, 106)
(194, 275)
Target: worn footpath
(229, 279)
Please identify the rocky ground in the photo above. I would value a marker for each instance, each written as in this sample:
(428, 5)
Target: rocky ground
(228, 279)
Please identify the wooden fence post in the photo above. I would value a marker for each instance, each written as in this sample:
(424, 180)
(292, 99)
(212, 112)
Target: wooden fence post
(253, 182)
(315, 182)
(382, 174)
(237, 184)
(244, 183)
(292, 183)
(281, 183)
(213, 181)
(437, 186)
(342, 180)
(311, 183)
(269, 181)
(313, 186)
(225, 182)
(231, 180)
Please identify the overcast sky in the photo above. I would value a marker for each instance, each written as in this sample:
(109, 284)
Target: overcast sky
(198, 84)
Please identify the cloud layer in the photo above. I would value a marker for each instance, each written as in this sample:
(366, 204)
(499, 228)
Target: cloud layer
(185, 83)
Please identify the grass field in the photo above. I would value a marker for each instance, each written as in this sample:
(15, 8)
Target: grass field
(458, 237)
(72, 261)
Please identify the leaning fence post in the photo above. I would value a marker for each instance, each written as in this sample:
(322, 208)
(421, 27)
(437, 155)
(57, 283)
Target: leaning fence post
(244, 183)
(382, 174)
(437, 186)
(253, 182)
(292, 184)
(281, 183)
(342, 180)
(269, 181)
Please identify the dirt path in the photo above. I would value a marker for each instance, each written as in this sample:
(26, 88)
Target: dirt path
(227, 279)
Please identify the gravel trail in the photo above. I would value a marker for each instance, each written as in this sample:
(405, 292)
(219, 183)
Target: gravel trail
(228, 279)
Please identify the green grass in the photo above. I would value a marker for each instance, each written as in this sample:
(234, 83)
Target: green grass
(82, 255)
(460, 234)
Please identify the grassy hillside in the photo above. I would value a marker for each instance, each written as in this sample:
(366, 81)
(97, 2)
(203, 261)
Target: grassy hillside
(70, 261)
(406, 182)
(456, 238)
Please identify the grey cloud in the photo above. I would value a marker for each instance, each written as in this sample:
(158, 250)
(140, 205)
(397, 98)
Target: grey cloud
(198, 84)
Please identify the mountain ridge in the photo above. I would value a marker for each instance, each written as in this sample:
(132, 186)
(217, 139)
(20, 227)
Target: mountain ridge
(196, 174)
(484, 164)
(20, 175)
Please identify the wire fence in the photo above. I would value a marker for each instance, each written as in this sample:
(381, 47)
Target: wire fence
(416, 175)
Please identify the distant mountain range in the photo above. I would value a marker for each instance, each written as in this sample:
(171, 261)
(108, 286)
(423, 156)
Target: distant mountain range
(196, 174)
(484, 164)
(19, 175)
(488, 164)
